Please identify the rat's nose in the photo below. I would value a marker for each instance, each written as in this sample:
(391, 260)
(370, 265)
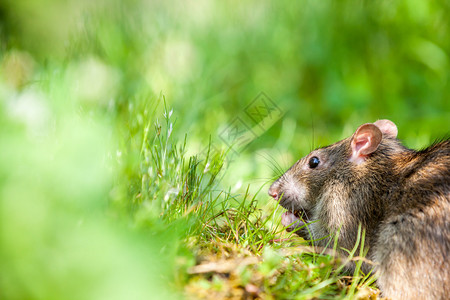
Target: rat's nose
(273, 192)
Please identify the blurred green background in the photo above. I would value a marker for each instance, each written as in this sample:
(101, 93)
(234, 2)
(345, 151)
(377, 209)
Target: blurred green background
(72, 72)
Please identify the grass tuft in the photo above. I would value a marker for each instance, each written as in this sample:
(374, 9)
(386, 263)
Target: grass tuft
(238, 246)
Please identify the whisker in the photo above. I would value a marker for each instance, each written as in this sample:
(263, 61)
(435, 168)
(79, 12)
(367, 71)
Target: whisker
(306, 214)
(312, 132)
(273, 164)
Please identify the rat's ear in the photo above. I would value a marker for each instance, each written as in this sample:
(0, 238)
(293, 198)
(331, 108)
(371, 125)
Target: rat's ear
(365, 141)
(387, 127)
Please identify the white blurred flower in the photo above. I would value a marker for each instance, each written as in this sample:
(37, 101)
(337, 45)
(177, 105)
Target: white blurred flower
(237, 186)
(171, 192)
(206, 168)
(169, 132)
(179, 59)
(29, 107)
(93, 80)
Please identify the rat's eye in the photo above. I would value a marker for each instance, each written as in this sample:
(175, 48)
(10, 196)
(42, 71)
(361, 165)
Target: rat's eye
(313, 162)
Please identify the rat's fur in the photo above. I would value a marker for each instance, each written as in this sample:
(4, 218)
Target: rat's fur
(401, 197)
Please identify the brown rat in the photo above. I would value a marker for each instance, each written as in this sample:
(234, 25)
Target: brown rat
(400, 197)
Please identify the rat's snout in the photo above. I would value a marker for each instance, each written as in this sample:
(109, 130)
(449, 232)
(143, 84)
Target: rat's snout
(274, 191)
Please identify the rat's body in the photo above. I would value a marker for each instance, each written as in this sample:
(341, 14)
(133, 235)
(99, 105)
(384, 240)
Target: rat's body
(401, 197)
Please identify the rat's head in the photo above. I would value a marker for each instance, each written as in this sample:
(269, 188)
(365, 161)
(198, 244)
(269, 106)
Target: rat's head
(332, 169)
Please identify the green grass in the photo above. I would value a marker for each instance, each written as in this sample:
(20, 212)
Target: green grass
(117, 180)
(239, 241)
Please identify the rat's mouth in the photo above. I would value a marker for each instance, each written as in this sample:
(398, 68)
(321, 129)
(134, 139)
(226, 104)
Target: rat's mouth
(297, 213)
(294, 220)
(294, 209)
(296, 216)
